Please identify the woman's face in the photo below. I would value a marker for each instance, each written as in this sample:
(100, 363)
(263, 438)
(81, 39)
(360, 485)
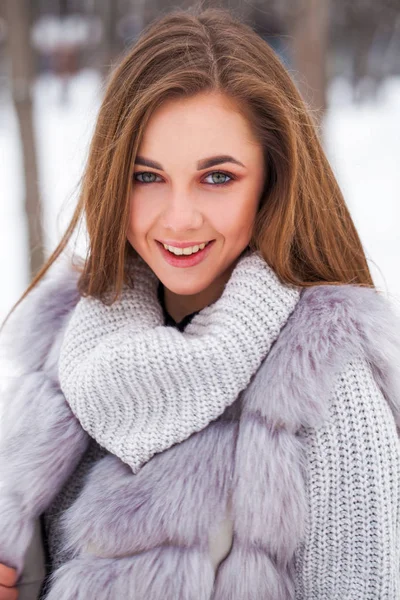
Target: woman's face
(177, 198)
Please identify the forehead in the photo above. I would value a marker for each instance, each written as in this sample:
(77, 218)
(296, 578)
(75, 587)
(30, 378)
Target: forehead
(207, 119)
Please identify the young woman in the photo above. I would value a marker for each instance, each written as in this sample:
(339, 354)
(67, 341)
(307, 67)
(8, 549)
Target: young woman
(209, 402)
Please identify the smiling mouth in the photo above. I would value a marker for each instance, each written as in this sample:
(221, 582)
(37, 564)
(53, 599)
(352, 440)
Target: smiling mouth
(186, 260)
(184, 244)
(183, 254)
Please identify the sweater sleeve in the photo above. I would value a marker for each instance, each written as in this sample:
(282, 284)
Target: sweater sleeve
(351, 548)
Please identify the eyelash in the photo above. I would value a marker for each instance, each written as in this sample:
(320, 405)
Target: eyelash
(232, 178)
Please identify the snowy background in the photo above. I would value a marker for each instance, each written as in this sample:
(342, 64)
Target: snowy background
(361, 140)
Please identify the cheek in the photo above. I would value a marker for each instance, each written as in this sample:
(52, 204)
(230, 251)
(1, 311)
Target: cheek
(140, 215)
(237, 219)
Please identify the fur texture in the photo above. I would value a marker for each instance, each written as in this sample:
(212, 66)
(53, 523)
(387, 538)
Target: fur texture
(145, 535)
(156, 509)
(32, 330)
(41, 440)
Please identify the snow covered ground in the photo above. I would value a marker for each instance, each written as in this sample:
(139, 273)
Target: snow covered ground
(362, 143)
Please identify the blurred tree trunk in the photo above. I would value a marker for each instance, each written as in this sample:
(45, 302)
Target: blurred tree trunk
(309, 35)
(363, 37)
(108, 10)
(22, 76)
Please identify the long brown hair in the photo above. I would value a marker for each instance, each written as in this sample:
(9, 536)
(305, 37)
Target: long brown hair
(303, 228)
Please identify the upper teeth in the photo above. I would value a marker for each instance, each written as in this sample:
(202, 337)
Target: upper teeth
(189, 250)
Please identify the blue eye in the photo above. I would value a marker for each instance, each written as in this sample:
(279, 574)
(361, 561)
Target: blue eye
(150, 177)
(219, 174)
(146, 175)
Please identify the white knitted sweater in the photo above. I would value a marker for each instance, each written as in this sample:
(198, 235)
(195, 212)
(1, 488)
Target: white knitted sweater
(138, 387)
(350, 548)
(353, 491)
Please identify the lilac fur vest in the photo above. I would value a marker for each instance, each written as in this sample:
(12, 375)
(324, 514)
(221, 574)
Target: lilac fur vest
(310, 449)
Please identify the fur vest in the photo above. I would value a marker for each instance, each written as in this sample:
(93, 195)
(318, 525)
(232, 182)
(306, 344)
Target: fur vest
(309, 452)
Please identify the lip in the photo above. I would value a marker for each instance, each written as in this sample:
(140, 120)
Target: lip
(182, 244)
(185, 261)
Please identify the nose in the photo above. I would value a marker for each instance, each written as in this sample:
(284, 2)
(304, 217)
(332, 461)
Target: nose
(181, 213)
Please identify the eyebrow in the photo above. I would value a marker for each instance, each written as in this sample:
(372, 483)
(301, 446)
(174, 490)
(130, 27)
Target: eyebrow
(205, 163)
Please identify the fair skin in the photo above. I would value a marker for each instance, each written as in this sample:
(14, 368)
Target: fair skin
(176, 200)
(8, 580)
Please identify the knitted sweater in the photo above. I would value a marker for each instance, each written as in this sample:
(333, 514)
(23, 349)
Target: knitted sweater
(314, 437)
(51, 524)
(138, 387)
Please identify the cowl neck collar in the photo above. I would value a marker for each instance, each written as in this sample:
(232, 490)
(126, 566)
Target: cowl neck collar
(139, 387)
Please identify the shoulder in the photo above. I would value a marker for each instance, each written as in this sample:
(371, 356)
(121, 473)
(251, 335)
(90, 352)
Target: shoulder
(344, 319)
(34, 326)
(359, 416)
(330, 327)
(359, 324)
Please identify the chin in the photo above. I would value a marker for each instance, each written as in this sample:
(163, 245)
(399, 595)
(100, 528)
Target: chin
(182, 289)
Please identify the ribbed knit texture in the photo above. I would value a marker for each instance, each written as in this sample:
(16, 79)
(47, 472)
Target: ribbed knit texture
(52, 517)
(138, 387)
(313, 464)
(353, 489)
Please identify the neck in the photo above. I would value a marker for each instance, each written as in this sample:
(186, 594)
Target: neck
(178, 306)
